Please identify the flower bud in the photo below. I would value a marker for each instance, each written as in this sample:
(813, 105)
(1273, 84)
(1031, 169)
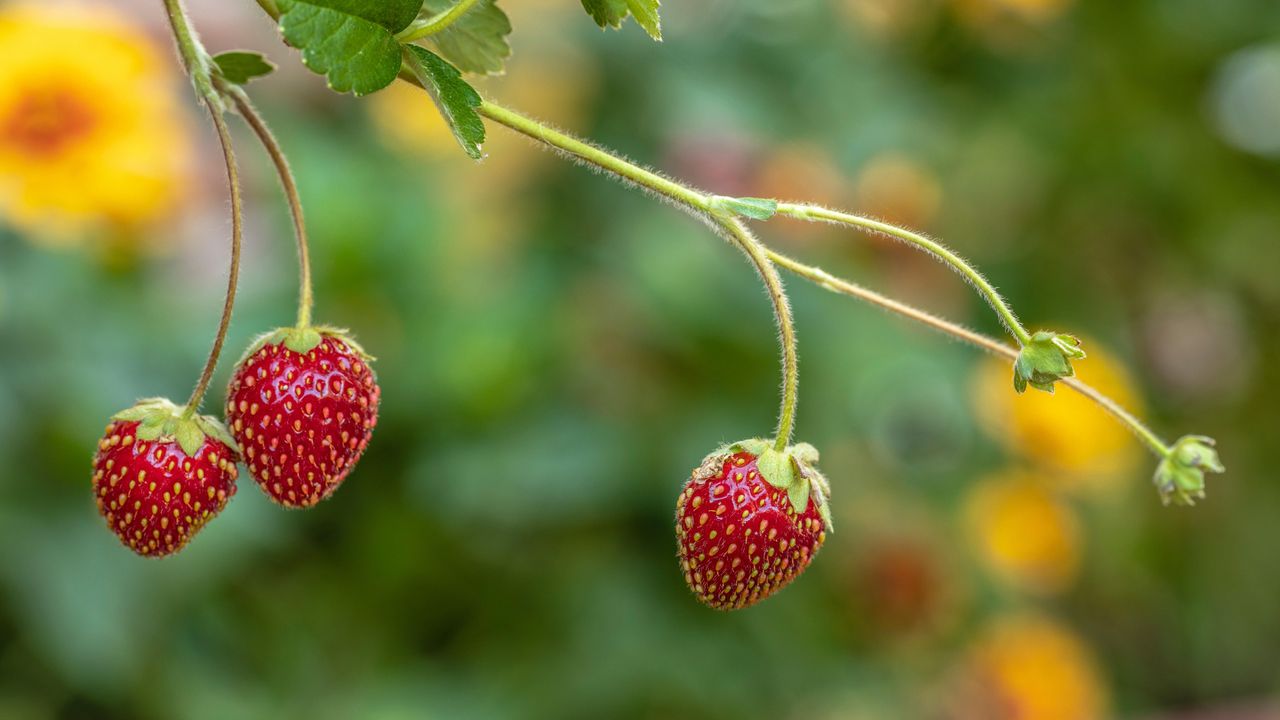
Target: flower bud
(1045, 359)
(1180, 476)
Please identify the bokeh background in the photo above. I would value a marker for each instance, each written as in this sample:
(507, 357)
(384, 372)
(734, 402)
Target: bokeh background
(557, 352)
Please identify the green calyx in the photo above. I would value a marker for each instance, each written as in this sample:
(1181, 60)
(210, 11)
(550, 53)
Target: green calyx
(160, 420)
(793, 470)
(1045, 359)
(1180, 476)
(303, 340)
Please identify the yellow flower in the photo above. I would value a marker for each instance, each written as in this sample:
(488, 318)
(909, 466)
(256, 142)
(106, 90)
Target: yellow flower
(1028, 667)
(1063, 432)
(1027, 536)
(91, 137)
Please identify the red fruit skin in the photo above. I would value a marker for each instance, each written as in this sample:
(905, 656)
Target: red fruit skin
(302, 420)
(740, 539)
(154, 496)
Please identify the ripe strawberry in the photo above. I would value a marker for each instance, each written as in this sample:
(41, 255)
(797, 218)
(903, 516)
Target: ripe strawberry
(159, 477)
(302, 404)
(739, 534)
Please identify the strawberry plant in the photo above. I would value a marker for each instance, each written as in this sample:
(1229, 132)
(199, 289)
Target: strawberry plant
(303, 401)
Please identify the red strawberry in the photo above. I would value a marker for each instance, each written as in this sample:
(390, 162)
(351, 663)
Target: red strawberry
(159, 477)
(740, 537)
(302, 404)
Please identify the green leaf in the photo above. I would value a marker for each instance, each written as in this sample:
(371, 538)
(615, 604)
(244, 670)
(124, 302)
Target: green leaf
(189, 436)
(456, 100)
(475, 42)
(352, 42)
(798, 494)
(240, 66)
(754, 208)
(777, 469)
(611, 13)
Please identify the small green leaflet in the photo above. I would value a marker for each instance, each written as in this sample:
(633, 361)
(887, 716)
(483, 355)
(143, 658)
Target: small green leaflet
(475, 42)
(241, 66)
(611, 13)
(352, 42)
(754, 208)
(456, 99)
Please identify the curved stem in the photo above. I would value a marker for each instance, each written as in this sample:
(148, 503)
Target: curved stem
(967, 271)
(700, 205)
(759, 256)
(237, 233)
(830, 282)
(432, 25)
(198, 64)
(306, 300)
(598, 157)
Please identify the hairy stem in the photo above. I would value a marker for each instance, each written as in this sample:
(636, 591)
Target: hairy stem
(437, 23)
(759, 256)
(197, 63)
(700, 204)
(830, 282)
(967, 271)
(306, 300)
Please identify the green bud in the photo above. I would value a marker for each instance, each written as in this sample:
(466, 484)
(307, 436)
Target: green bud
(1180, 476)
(1044, 360)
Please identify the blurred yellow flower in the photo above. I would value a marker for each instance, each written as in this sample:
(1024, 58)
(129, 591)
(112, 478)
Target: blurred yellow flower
(1026, 535)
(1063, 432)
(1028, 667)
(91, 137)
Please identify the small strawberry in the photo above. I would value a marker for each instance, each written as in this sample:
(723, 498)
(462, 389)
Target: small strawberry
(302, 404)
(740, 536)
(158, 476)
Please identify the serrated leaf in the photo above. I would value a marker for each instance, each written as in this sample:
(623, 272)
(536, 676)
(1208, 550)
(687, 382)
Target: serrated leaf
(475, 42)
(241, 66)
(351, 42)
(456, 100)
(611, 13)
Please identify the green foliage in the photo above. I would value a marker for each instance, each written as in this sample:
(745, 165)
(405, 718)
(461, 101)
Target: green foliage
(611, 13)
(352, 42)
(241, 66)
(456, 100)
(475, 42)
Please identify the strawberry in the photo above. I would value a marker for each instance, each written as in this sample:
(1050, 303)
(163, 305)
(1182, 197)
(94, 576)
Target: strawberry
(159, 477)
(302, 404)
(740, 536)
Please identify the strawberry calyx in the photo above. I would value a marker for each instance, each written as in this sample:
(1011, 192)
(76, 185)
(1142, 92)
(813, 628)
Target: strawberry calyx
(304, 339)
(159, 419)
(793, 470)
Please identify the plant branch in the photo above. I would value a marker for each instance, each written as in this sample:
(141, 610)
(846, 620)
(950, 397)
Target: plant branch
(437, 23)
(841, 286)
(967, 271)
(306, 299)
(698, 203)
(197, 63)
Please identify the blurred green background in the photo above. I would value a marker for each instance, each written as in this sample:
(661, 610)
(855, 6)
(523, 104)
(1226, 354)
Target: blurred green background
(557, 352)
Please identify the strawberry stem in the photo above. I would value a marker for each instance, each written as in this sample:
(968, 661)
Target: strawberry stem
(262, 131)
(841, 286)
(197, 62)
(702, 206)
